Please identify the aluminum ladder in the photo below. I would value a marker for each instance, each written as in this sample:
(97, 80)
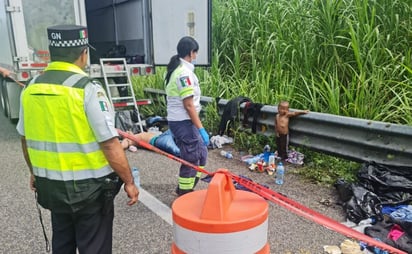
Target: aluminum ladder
(116, 69)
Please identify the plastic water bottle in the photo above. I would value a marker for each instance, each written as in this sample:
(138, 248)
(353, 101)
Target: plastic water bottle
(226, 154)
(280, 173)
(266, 154)
(272, 161)
(136, 176)
(271, 165)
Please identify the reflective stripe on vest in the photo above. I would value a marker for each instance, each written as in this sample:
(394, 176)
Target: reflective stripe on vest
(60, 142)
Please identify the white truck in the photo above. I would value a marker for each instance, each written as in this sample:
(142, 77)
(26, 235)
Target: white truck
(142, 32)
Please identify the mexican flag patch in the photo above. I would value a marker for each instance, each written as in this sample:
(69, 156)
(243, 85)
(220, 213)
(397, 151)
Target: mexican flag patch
(82, 34)
(104, 106)
(185, 81)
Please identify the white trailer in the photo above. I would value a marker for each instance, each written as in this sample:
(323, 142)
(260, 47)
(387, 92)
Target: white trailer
(144, 32)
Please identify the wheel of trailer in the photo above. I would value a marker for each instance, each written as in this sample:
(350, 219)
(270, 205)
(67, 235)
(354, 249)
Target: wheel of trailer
(3, 94)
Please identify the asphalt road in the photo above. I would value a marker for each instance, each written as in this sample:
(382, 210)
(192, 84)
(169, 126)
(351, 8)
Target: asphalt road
(147, 226)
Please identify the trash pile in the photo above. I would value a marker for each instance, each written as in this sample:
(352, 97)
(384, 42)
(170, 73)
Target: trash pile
(383, 196)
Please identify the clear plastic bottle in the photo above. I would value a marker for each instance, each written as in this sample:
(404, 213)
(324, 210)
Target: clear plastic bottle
(280, 173)
(136, 176)
(272, 161)
(226, 154)
(271, 165)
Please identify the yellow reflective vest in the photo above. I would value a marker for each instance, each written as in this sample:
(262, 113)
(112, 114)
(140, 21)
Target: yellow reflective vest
(60, 142)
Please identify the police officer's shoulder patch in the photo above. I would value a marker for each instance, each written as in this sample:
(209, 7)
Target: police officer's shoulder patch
(104, 106)
(100, 94)
(185, 81)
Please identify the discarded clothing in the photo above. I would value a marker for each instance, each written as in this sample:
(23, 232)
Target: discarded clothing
(295, 157)
(403, 217)
(403, 213)
(388, 209)
(390, 234)
(230, 114)
(218, 141)
(395, 233)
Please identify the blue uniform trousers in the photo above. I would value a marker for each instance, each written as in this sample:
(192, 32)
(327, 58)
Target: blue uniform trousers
(192, 149)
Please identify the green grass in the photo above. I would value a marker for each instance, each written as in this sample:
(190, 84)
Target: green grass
(324, 169)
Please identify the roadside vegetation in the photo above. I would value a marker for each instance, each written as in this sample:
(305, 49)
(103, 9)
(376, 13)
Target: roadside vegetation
(342, 57)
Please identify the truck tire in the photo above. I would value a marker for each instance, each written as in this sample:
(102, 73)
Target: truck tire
(6, 103)
(3, 95)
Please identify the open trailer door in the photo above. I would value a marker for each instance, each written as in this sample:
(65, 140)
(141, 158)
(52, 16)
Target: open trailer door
(173, 19)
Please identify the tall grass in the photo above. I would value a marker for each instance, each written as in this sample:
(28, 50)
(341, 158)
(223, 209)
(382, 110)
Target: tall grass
(343, 57)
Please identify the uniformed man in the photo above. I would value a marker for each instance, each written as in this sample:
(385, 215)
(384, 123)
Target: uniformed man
(71, 147)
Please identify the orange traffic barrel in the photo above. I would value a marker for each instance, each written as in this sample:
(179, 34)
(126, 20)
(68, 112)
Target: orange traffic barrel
(220, 220)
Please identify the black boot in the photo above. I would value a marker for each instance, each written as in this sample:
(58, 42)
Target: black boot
(180, 192)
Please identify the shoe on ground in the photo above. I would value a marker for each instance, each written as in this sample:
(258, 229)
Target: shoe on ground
(180, 192)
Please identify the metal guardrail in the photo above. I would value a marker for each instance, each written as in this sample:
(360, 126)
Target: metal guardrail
(346, 137)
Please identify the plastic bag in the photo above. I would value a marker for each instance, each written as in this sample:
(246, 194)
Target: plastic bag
(364, 204)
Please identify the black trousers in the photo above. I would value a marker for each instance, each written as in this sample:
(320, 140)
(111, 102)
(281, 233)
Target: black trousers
(282, 143)
(88, 230)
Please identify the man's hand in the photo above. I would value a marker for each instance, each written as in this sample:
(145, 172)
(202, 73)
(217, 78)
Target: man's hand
(132, 193)
(116, 157)
(32, 182)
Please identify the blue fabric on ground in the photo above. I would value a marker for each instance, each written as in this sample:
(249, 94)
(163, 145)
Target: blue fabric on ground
(388, 209)
(403, 213)
(166, 143)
